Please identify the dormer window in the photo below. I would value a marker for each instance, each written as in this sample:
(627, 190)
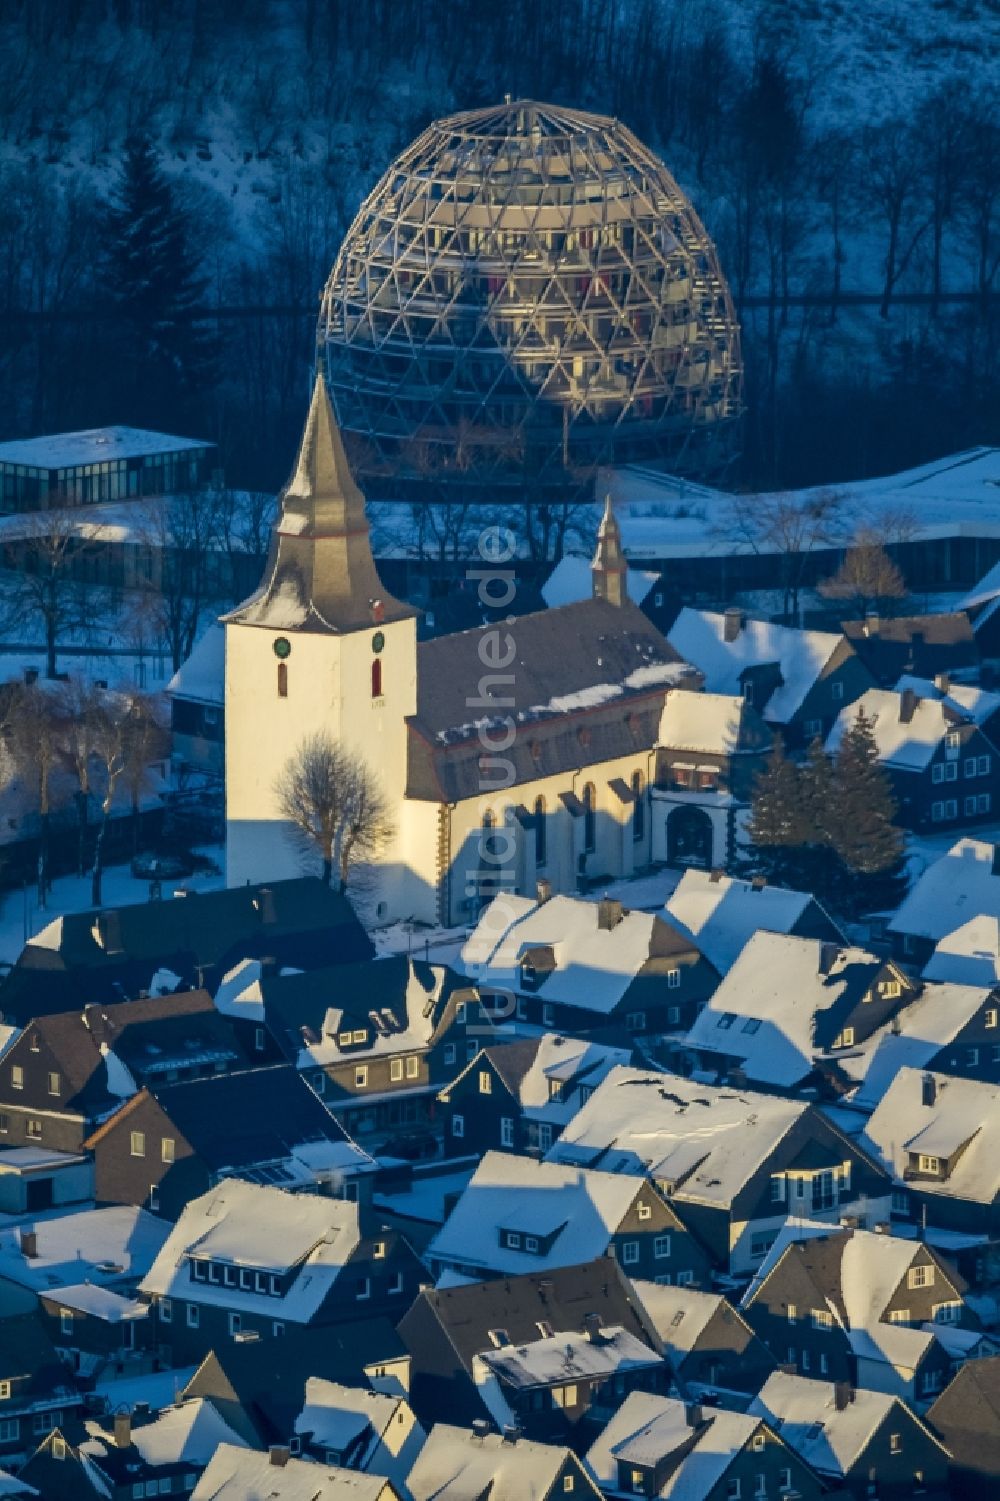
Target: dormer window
(499, 1338)
(529, 976)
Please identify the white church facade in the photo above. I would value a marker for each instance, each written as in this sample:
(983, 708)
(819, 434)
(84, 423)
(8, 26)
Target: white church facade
(509, 754)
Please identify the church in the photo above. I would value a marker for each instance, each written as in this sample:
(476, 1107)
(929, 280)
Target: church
(559, 747)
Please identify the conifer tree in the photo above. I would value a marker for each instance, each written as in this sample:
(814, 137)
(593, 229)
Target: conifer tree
(779, 826)
(818, 862)
(869, 845)
(164, 358)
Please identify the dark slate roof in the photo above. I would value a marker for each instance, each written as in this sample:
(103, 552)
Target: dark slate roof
(966, 1416)
(110, 954)
(512, 1060)
(563, 1297)
(26, 1350)
(921, 644)
(257, 1115)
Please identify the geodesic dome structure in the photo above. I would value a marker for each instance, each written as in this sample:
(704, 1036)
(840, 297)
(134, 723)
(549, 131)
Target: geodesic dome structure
(525, 295)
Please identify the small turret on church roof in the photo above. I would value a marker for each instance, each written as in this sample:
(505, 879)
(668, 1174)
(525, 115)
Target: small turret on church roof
(320, 574)
(609, 566)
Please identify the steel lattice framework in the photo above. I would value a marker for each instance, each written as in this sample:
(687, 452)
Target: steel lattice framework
(527, 294)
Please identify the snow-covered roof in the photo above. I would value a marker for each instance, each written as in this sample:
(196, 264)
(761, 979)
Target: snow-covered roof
(458, 1465)
(705, 1140)
(572, 579)
(102, 1303)
(538, 1199)
(970, 955)
(766, 1008)
(107, 1246)
(699, 637)
(95, 445)
(186, 1434)
(678, 1314)
(906, 744)
(963, 1113)
(965, 700)
(239, 995)
(953, 889)
(11, 1485)
(916, 1035)
(235, 1474)
(335, 1416)
(647, 1428)
(569, 1356)
(247, 1225)
(705, 722)
(594, 965)
(425, 985)
(561, 1061)
(202, 678)
(721, 913)
(806, 1415)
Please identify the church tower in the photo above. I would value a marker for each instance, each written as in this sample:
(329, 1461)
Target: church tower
(609, 566)
(320, 646)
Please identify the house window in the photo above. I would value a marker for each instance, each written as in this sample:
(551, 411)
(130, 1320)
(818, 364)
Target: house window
(53, 1084)
(812, 728)
(821, 1318)
(947, 1313)
(167, 1149)
(541, 832)
(10, 1428)
(458, 1125)
(899, 1316)
(449, 1052)
(777, 1189)
(507, 1131)
(589, 801)
(514, 1240)
(413, 1067)
(193, 1315)
(638, 807)
(548, 1014)
(564, 1396)
(33, 1129)
(844, 1039)
(17, 1077)
(929, 1164)
(636, 1021)
(361, 1077)
(970, 766)
(952, 740)
(65, 1327)
(990, 1017)
(661, 1247)
(920, 1276)
(376, 678)
(544, 1137)
(630, 1252)
(4, 1123)
(726, 1021)
(165, 1309)
(895, 1443)
(396, 1070)
(785, 1480)
(673, 979)
(970, 807)
(758, 1442)
(531, 1243)
(837, 690)
(364, 1289)
(937, 772)
(972, 1057)
(485, 1081)
(258, 1039)
(645, 1211)
(983, 803)
(234, 1324)
(138, 1143)
(983, 765)
(733, 1490)
(792, 1313)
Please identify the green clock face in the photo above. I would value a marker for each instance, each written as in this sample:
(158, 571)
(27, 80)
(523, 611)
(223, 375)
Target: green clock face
(378, 641)
(282, 647)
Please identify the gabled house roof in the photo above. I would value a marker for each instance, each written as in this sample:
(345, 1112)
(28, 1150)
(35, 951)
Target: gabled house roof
(544, 1074)
(457, 1464)
(704, 1140)
(681, 1315)
(305, 1238)
(966, 700)
(201, 677)
(351, 1420)
(961, 885)
(721, 913)
(236, 1474)
(913, 1039)
(712, 724)
(572, 1214)
(798, 656)
(907, 735)
(966, 1415)
(647, 1428)
(969, 955)
(187, 1433)
(943, 1116)
(112, 1247)
(782, 1004)
(585, 954)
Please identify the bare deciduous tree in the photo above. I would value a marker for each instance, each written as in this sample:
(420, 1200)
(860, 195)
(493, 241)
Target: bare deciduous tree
(867, 577)
(45, 590)
(79, 704)
(122, 740)
(335, 805)
(33, 726)
(791, 525)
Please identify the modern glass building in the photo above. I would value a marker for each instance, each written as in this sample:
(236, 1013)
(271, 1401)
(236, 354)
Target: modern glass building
(525, 295)
(104, 463)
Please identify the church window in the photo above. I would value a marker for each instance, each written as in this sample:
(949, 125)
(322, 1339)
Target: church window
(540, 831)
(376, 678)
(589, 818)
(282, 679)
(638, 807)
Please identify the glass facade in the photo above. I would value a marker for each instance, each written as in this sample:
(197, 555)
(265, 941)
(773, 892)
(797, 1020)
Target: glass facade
(25, 488)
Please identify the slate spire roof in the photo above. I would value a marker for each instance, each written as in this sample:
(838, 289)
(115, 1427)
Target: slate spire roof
(320, 574)
(609, 566)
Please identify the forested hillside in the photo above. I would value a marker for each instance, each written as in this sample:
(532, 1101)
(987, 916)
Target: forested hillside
(845, 157)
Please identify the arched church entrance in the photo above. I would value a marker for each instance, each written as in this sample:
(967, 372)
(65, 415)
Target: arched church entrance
(689, 837)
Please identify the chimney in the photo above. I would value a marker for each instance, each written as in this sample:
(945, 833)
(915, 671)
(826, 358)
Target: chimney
(694, 1415)
(543, 890)
(942, 683)
(279, 1455)
(871, 623)
(511, 1434)
(141, 1410)
(123, 1430)
(264, 903)
(715, 875)
(995, 867)
(828, 955)
(30, 676)
(109, 932)
(732, 624)
(928, 1089)
(592, 1328)
(480, 1428)
(758, 883)
(378, 612)
(907, 705)
(29, 1243)
(609, 913)
(843, 1395)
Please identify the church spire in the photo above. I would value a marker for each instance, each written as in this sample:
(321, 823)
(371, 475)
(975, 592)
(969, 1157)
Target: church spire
(609, 567)
(320, 574)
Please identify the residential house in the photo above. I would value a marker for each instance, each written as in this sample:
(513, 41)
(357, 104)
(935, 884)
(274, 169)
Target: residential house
(979, 704)
(853, 1305)
(235, 1474)
(446, 1328)
(734, 1164)
(359, 1429)
(518, 1096)
(861, 1442)
(949, 1028)
(926, 646)
(468, 1464)
(37, 1390)
(713, 1354)
(518, 1215)
(169, 1143)
(376, 1040)
(190, 940)
(97, 1329)
(722, 913)
(164, 1454)
(660, 1447)
(34, 1179)
(943, 768)
(248, 1261)
(113, 1248)
(939, 1137)
(791, 1008)
(576, 966)
(799, 681)
(966, 1418)
(69, 1071)
(961, 885)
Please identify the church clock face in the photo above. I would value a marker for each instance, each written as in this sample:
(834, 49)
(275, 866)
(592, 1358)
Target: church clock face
(378, 641)
(282, 648)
